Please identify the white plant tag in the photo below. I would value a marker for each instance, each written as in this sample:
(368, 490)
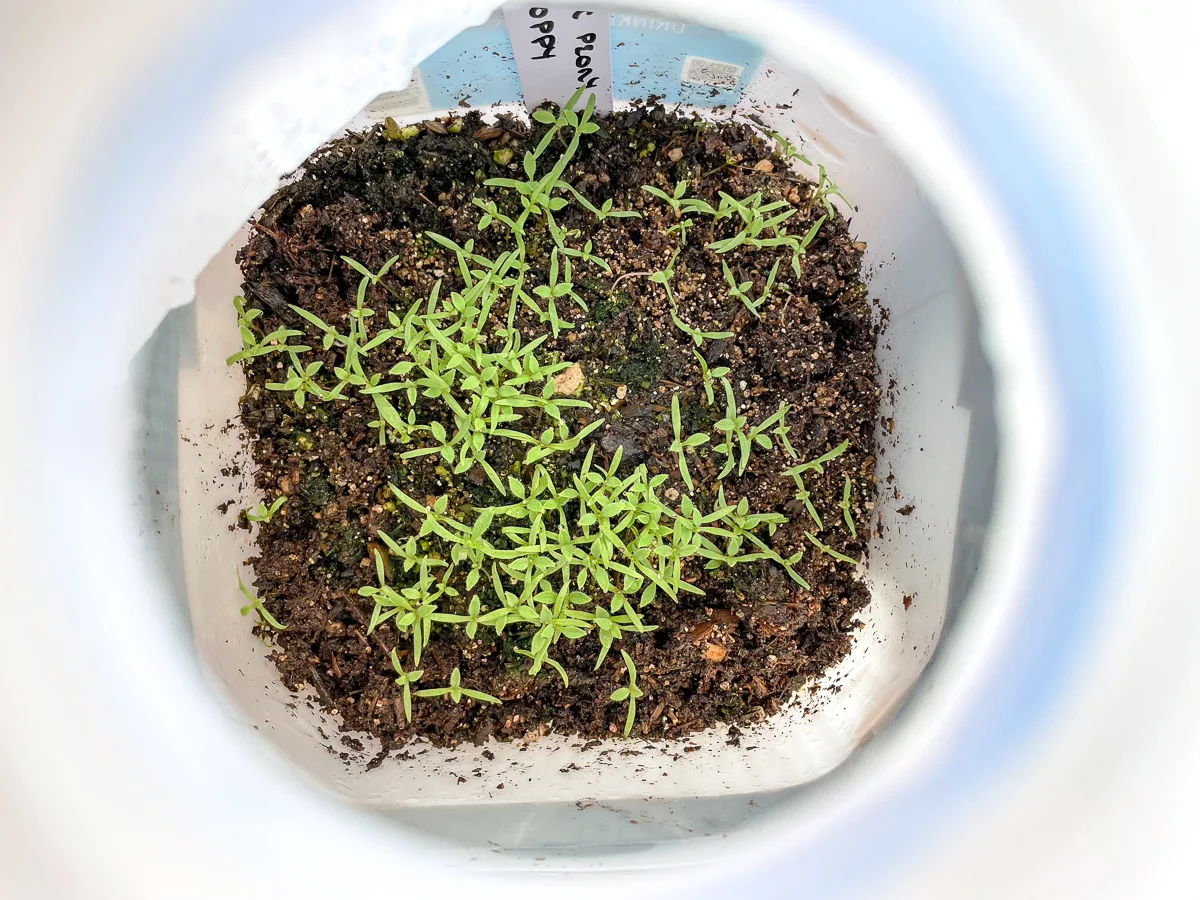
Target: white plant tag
(559, 49)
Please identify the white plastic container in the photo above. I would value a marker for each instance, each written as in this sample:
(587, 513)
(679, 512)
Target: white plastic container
(1009, 467)
(940, 458)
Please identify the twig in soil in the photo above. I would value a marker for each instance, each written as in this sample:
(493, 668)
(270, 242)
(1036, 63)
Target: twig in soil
(713, 171)
(621, 278)
(319, 686)
(274, 235)
(783, 176)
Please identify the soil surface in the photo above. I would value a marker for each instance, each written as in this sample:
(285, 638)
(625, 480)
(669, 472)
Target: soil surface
(735, 655)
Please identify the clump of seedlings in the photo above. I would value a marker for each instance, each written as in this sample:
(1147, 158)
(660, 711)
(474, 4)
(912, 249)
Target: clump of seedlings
(487, 483)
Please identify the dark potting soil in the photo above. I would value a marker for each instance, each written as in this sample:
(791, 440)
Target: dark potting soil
(734, 655)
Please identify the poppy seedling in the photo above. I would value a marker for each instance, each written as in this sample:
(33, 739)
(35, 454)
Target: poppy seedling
(456, 692)
(628, 694)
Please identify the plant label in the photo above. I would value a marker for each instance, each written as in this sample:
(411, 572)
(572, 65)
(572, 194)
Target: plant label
(559, 49)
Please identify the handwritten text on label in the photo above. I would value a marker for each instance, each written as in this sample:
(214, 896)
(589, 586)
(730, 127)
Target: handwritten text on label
(559, 49)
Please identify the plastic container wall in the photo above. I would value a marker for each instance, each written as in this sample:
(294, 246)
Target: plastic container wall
(941, 453)
(159, 185)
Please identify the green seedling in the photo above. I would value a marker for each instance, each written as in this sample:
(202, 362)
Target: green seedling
(690, 205)
(805, 497)
(246, 319)
(612, 627)
(492, 214)
(583, 254)
(818, 465)
(455, 691)
(371, 277)
(329, 334)
(698, 335)
(556, 289)
(465, 255)
(800, 246)
(444, 359)
(408, 553)
(707, 375)
(758, 219)
(604, 211)
(547, 444)
(759, 432)
(474, 612)
(845, 507)
(739, 290)
(829, 551)
(622, 541)
(252, 346)
(679, 205)
(787, 149)
(539, 660)
(537, 194)
(301, 383)
(256, 604)
(681, 444)
(763, 227)
(360, 313)
(629, 694)
(736, 428)
(825, 190)
(414, 608)
(672, 199)
(662, 277)
(733, 427)
(406, 680)
(782, 433)
(737, 525)
(264, 513)
(681, 228)
(736, 289)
